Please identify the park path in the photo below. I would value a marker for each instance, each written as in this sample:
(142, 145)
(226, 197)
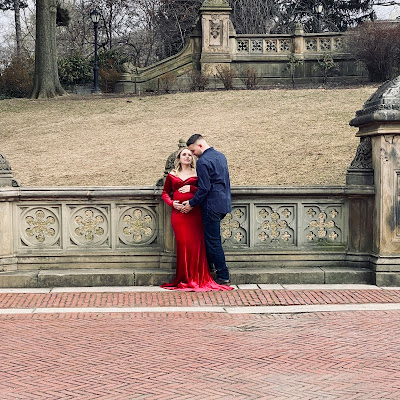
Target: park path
(148, 343)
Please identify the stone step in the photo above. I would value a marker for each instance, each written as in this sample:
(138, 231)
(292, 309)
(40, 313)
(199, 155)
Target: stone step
(149, 277)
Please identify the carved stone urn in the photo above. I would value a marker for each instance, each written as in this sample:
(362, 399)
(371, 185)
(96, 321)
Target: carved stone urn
(378, 124)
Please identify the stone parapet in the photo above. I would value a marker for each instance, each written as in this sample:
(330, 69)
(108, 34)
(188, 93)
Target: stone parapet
(83, 228)
(214, 43)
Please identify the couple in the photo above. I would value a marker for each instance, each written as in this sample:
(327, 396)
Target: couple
(199, 203)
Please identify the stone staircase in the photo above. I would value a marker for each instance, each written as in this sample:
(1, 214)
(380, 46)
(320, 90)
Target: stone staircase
(149, 277)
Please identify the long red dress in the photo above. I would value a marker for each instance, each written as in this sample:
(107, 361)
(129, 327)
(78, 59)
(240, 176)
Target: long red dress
(192, 273)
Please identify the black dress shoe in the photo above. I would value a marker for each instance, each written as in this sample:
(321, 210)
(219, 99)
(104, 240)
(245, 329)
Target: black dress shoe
(222, 281)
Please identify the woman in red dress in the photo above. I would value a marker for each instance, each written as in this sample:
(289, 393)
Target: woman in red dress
(192, 273)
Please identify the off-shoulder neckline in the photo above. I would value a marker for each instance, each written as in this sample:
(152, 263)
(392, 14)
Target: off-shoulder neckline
(183, 180)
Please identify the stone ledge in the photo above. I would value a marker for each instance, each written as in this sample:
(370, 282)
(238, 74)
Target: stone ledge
(154, 277)
(86, 277)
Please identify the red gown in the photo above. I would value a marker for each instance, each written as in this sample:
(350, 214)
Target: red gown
(192, 273)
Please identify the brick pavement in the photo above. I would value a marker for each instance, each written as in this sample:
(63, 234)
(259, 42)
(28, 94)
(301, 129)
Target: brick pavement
(196, 355)
(237, 298)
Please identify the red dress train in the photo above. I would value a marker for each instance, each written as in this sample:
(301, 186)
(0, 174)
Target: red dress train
(192, 273)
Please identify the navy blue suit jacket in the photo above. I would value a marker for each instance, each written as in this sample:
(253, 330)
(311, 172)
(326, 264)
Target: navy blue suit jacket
(214, 186)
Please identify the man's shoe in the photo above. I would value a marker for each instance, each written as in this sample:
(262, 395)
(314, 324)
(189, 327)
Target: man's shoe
(222, 281)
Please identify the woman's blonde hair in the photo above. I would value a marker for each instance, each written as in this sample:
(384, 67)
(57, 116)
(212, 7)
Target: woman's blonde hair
(177, 163)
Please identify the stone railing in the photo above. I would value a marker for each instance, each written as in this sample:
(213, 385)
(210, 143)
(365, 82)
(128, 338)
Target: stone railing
(270, 45)
(48, 231)
(214, 43)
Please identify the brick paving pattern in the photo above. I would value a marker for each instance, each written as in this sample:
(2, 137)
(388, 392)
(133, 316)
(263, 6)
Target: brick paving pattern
(197, 355)
(256, 297)
(346, 355)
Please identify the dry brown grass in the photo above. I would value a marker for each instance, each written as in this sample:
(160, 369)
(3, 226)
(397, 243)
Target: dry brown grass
(270, 137)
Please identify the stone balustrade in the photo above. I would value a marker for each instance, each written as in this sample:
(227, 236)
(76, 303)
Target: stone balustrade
(49, 230)
(271, 45)
(214, 43)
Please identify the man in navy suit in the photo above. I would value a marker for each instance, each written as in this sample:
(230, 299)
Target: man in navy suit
(214, 197)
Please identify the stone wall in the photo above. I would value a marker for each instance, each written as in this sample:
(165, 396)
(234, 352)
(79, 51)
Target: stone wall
(52, 235)
(214, 42)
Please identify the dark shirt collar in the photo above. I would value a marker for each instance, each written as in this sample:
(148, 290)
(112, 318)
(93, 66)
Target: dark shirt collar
(210, 148)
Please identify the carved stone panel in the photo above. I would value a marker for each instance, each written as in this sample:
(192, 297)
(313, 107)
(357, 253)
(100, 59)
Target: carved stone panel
(89, 226)
(338, 44)
(271, 45)
(323, 224)
(275, 225)
(242, 46)
(256, 45)
(285, 45)
(137, 225)
(215, 31)
(325, 44)
(39, 227)
(311, 45)
(235, 227)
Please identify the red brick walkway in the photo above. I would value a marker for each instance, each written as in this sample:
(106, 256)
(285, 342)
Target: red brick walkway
(196, 355)
(353, 355)
(255, 297)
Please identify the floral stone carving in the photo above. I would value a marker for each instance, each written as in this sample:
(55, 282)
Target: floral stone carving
(138, 226)
(232, 229)
(323, 225)
(274, 225)
(40, 227)
(90, 226)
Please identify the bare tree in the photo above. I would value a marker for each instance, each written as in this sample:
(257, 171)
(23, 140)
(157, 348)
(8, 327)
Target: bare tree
(16, 6)
(254, 16)
(378, 46)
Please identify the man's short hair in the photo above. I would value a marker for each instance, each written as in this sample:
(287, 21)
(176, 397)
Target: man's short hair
(193, 139)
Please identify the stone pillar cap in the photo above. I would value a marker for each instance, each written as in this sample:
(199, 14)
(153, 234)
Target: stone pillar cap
(382, 106)
(220, 5)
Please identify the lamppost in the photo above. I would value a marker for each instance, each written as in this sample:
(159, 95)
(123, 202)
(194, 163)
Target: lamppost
(318, 9)
(95, 17)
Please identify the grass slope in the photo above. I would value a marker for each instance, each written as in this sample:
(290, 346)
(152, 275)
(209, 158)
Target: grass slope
(270, 137)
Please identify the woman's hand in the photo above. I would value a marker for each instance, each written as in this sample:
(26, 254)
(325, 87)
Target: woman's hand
(184, 189)
(178, 206)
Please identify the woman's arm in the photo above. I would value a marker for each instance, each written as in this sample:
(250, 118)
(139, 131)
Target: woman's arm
(167, 191)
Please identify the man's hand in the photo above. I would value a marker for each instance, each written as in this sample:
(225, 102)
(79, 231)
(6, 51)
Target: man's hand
(184, 189)
(186, 207)
(177, 205)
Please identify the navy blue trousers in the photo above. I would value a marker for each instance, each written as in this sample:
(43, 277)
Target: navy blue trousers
(212, 237)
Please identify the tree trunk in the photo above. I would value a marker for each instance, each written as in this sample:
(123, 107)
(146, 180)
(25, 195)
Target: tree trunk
(18, 33)
(46, 83)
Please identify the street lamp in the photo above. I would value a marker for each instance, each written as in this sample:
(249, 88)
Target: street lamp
(318, 9)
(95, 17)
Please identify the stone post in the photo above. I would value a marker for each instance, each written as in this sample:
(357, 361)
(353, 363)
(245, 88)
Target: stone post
(7, 182)
(379, 129)
(299, 41)
(215, 24)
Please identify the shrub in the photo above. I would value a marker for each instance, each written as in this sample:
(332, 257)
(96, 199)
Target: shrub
(75, 70)
(327, 65)
(226, 75)
(249, 77)
(16, 78)
(107, 79)
(198, 80)
(377, 44)
(292, 64)
(110, 66)
(167, 81)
